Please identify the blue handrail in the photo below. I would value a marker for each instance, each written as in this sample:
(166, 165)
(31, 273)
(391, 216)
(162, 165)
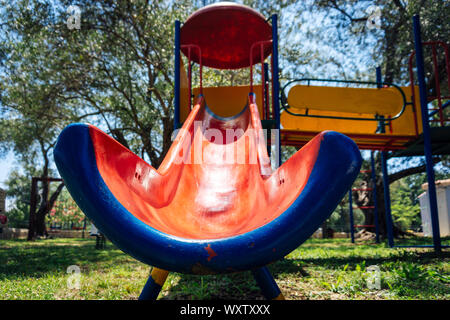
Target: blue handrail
(445, 105)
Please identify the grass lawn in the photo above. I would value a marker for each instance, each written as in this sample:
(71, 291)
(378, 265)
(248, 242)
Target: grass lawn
(319, 269)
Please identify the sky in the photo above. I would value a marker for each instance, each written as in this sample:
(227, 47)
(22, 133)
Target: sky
(6, 164)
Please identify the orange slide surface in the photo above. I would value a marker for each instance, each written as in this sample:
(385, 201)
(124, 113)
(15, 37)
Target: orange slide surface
(206, 188)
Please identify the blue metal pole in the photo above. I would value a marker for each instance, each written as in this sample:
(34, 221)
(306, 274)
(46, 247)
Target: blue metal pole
(266, 92)
(445, 105)
(267, 284)
(372, 163)
(266, 108)
(379, 80)
(352, 222)
(387, 196)
(154, 284)
(381, 124)
(275, 80)
(150, 291)
(375, 200)
(387, 200)
(426, 134)
(176, 116)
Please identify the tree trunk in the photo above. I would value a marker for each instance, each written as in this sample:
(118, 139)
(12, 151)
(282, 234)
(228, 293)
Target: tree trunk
(41, 229)
(37, 227)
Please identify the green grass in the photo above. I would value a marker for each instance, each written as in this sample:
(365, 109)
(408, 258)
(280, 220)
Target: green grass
(319, 269)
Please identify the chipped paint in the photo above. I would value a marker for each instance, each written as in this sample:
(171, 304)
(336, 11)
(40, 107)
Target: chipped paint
(211, 252)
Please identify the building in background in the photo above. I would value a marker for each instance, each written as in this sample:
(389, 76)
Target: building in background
(443, 199)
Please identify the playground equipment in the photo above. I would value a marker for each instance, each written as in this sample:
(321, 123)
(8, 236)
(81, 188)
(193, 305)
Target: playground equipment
(434, 139)
(377, 116)
(202, 211)
(355, 111)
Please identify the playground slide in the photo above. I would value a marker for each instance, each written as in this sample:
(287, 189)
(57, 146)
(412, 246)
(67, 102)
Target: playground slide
(214, 205)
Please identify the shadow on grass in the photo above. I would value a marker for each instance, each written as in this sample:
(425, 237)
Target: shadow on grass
(242, 285)
(338, 262)
(47, 256)
(234, 286)
(23, 259)
(445, 241)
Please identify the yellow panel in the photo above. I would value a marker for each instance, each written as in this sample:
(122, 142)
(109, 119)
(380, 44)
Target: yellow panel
(405, 124)
(381, 101)
(401, 126)
(291, 122)
(228, 101)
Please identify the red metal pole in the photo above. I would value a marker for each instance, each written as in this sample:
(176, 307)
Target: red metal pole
(251, 68)
(263, 81)
(273, 97)
(413, 92)
(201, 69)
(189, 79)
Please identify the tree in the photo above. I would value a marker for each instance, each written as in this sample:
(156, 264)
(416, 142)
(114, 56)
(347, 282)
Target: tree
(18, 187)
(31, 104)
(116, 70)
(390, 41)
(405, 209)
(65, 213)
(32, 140)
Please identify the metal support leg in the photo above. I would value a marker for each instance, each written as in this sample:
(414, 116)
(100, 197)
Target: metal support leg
(176, 116)
(267, 284)
(352, 222)
(426, 135)
(276, 83)
(387, 200)
(154, 284)
(375, 200)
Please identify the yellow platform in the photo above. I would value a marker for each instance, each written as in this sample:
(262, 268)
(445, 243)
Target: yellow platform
(383, 101)
(223, 101)
(299, 130)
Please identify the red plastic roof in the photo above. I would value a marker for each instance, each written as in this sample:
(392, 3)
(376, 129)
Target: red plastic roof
(225, 32)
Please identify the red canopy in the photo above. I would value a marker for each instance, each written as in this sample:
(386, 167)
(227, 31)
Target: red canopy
(225, 32)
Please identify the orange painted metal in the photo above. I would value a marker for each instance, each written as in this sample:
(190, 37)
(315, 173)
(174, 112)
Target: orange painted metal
(199, 191)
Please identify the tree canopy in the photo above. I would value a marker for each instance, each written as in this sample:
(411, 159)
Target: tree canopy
(114, 66)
